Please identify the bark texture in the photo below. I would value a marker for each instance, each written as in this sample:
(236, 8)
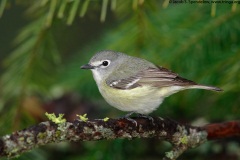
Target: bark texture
(181, 136)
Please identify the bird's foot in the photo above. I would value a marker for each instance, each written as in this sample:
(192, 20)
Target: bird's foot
(127, 117)
(139, 115)
(146, 117)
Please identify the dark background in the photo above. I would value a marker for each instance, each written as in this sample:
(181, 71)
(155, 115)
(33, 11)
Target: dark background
(43, 44)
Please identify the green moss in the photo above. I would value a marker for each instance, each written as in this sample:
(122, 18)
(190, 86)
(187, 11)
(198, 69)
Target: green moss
(184, 140)
(105, 119)
(170, 154)
(41, 135)
(55, 119)
(58, 133)
(29, 140)
(83, 117)
(21, 138)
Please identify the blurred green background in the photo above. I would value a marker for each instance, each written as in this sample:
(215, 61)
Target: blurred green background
(43, 43)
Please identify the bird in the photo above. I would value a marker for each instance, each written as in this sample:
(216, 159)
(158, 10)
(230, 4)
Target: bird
(135, 85)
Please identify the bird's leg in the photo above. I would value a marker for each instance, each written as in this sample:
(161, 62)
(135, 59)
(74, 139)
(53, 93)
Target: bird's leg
(128, 114)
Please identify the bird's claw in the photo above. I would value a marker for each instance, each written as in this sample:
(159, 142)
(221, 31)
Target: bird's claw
(146, 117)
(127, 117)
(131, 120)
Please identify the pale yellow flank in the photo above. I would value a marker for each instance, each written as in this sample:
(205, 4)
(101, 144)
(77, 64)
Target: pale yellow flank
(136, 99)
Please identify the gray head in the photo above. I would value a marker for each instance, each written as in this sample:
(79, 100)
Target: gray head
(116, 64)
(104, 62)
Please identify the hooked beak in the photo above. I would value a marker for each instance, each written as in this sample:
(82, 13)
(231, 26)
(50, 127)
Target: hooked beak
(87, 66)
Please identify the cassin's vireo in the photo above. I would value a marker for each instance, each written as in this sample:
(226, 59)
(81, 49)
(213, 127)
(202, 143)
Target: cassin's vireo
(133, 84)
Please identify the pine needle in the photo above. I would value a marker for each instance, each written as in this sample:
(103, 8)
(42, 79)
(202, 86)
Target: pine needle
(62, 9)
(165, 3)
(2, 7)
(113, 5)
(50, 15)
(234, 6)
(73, 11)
(135, 4)
(213, 9)
(84, 8)
(104, 10)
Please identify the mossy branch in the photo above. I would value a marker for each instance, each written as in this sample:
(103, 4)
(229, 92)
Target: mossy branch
(181, 136)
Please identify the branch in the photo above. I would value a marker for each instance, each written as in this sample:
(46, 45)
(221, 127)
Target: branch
(181, 136)
(222, 130)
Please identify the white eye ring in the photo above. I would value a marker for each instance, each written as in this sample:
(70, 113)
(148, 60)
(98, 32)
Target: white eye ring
(105, 63)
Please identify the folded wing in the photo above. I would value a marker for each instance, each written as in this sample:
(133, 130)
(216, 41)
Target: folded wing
(156, 77)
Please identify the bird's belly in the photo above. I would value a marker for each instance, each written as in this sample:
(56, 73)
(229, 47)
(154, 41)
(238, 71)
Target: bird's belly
(142, 100)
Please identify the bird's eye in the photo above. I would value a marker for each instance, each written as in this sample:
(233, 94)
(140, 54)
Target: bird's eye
(105, 63)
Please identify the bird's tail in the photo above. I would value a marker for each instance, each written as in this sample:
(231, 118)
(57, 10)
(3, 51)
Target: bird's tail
(198, 86)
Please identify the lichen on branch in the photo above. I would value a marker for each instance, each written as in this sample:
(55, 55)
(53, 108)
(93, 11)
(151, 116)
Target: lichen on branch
(181, 136)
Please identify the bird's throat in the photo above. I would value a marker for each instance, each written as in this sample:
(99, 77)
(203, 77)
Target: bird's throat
(97, 77)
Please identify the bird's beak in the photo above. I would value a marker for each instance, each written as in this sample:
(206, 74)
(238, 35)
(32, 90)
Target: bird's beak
(87, 66)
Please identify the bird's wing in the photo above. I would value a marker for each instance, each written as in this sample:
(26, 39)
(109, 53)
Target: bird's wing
(156, 77)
